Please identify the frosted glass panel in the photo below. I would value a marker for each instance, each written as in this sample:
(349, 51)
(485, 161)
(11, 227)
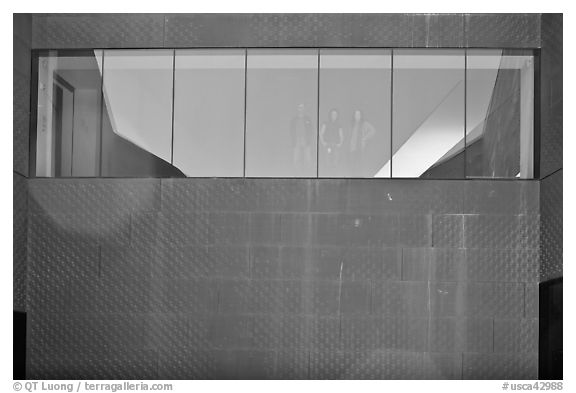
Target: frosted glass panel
(209, 112)
(281, 112)
(428, 114)
(354, 113)
(138, 97)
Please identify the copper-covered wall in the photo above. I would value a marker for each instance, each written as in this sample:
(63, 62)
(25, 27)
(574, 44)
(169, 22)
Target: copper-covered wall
(267, 278)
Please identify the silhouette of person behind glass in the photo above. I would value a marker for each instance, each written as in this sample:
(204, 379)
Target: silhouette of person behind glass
(362, 132)
(331, 138)
(302, 138)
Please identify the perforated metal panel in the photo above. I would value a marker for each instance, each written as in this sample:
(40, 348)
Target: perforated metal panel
(226, 289)
(97, 31)
(551, 227)
(22, 31)
(503, 30)
(500, 366)
(19, 240)
(21, 121)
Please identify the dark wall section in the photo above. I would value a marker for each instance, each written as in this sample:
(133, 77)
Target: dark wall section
(286, 30)
(551, 95)
(551, 343)
(19, 345)
(247, 278)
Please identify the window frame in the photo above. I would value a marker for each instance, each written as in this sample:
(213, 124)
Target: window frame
(36, 54)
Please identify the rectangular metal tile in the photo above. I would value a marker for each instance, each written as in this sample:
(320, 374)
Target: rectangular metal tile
(182, 295)
(501, 231)
(360, 333)
(321, 298)
(185, 363)
(445, 298)
(264, 262)
(438, 30)
(442, 366)
(447, 264)
(98, 31)
(400, 298)
(477, 299)
(137, 364)
(448, 231)
(516, 335)
(267, 330)
(94, 197)
(365, 230)
(501, 197)
(22, 58)
(202, 262)
(382, 30)
(21, 121)
(127, 263)
(500, 366)
(22, 26)
(295, 332)
(519, 265)
(243, 364)
(205, 30)
(371, 263)
(416, 264)
(355, 298)
(297, 229)
(324, 333)
(295, 262)
(531, 300)
(19, 241)
(503, 30)
(230, 331)
(461, 335)
(292, 364)
(177, 332)
(204, 195)
(551, 265)
(414, 231)
(68, 335)
(283, 195)
(493, 299)
(403, 334)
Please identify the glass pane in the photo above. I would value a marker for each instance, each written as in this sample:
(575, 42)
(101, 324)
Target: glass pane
(499, 114)
(354, 113)
(281, 113)
(68, 126)
(137, 122)
(428, 113)
(209, 112)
